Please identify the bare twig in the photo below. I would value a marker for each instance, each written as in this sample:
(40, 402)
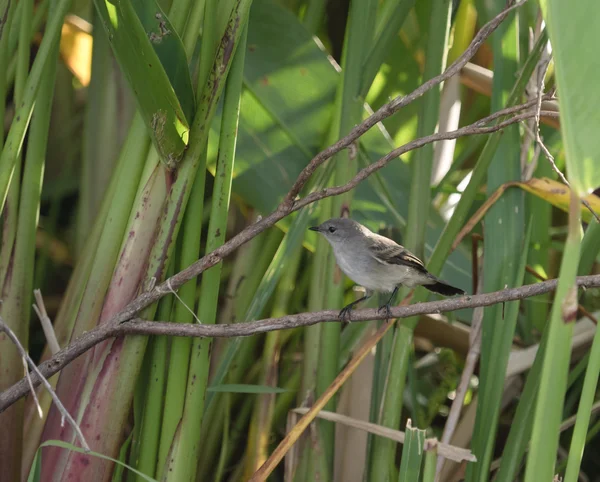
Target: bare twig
(41, 379)
(541, 72)
(527, 168)
(45, 321)
(399, 102)
(31, 389)
(141, 327)
(473, 129)
(450, 452)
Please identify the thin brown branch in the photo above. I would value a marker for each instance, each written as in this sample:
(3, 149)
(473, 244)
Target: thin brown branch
(470, 130)
(112, 328)
(216, 256)
(39, 378)
(399, 102)
(288, 205)
(141, 327)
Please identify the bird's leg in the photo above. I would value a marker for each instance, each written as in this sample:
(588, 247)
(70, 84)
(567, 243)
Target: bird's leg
(346, 310)
(386, 306)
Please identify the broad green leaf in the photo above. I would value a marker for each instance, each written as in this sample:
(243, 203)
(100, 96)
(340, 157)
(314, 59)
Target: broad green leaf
(170, 50)
(244, 388)
(574, 37)
(156, 98)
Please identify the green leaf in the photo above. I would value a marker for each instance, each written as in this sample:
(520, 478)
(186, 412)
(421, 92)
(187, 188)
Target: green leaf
(555, 368)
(35, 472)
(412, 454)
(156, 97)
(576, 78)
(170, 50)
(243, 388)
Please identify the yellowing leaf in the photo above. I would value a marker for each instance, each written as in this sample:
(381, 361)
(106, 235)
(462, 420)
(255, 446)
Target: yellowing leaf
(554, 192)
(558, 195)
(76, 48)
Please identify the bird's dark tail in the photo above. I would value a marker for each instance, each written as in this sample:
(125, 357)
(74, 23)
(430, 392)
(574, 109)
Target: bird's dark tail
(444, 288)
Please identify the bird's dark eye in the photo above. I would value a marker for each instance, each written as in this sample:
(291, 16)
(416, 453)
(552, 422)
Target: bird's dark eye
(331, 229)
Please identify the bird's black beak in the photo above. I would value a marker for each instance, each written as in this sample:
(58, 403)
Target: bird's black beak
(314, 228)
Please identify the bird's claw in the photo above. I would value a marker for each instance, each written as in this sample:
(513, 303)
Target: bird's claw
(345, 314)
(388, 311)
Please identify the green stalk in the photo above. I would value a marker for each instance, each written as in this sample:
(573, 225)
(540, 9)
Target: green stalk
(16, 134)
(442, 248)
(429, 468)
(178, 363)
(71, 303)
(590, 246)
(349, 108)
(181, 346)
(150, 433)
(580, 437)
(312, 336)
(553, 383)
(383, 449)
(192, 27)
(238, 355)
(10, 212)
(264, 405)
(418, 214)
(420, 193)
(39, 16)
(185, 450)
(121, 359)
(313, 17)
(537, 308)
(239, 351)
(503, 244)
(392, 16)
(520, 432)
(4, 56)
(412, 454)
(16, 264)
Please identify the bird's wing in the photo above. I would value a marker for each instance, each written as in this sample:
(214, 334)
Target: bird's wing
(387, 251)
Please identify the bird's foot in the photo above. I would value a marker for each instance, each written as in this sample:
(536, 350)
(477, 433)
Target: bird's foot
(388, 311)
(345, 314)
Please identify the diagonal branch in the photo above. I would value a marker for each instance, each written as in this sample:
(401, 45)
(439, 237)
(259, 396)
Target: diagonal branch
(141, 327)
(216, 256)
(396, 104)
(289, 205)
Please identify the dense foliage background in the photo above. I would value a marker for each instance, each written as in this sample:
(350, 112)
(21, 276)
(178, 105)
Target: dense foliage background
(161, 130)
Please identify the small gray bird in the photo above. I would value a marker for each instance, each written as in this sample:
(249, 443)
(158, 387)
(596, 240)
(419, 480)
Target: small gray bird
(377, 263)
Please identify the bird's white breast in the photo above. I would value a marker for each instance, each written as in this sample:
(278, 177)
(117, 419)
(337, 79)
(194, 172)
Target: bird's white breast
(365, 270)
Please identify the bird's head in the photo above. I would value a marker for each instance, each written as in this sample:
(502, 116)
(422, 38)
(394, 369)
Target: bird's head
(338, 230)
